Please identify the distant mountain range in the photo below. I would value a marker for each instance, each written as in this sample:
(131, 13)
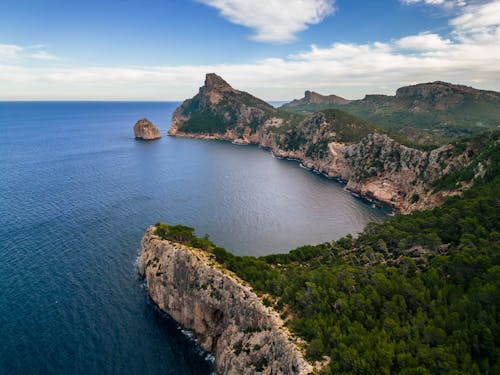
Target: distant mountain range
(440, 108)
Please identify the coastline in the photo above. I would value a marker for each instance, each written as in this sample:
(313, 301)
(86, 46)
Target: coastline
(227, 318)
(393, 207)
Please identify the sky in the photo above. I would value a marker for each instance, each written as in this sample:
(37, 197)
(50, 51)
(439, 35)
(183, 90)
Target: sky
(274, 49)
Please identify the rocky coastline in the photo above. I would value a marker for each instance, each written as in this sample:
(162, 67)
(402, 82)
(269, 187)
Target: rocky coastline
(330, 142)
(227, 317)
(394, 190)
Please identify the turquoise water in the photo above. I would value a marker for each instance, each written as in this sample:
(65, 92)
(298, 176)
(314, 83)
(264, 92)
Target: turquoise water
(76, 194)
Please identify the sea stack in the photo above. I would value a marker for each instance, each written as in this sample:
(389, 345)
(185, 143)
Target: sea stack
(144, 129)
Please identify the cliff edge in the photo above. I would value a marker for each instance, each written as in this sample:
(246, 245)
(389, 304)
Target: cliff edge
(229, 320)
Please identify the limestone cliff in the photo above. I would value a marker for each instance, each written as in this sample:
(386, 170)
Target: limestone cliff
(332, 142)
(144, 129)
(229, 320)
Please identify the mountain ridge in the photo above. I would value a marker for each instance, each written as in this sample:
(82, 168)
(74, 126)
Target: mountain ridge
(441, 108)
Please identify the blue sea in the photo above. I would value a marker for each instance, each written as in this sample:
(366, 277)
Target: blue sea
(77, 192)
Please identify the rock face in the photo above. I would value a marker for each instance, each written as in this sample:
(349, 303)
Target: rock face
(144, 129)
(332, 142)
(313, 98)
(229, 320)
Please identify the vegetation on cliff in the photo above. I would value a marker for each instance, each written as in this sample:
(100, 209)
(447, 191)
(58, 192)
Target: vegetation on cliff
(417, 294)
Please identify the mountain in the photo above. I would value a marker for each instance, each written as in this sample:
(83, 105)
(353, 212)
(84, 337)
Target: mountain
(218, 108)
(441, 108)
(373, 162)
(312, 99)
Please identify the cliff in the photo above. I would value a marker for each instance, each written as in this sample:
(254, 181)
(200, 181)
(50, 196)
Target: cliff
(333, 142)
(144, 129)
(229, 320)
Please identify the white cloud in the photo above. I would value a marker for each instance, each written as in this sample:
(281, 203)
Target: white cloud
(469, 56)
(423, 41)
(276, 21)
(478, 18)
(445, 3)
(10, 52)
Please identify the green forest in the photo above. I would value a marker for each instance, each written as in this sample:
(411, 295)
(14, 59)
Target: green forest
(417, 294)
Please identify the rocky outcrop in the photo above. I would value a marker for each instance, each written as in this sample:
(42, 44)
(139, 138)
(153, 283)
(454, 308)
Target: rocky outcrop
(333, 142)
(228, 319)
(144, 129)
(313, 98)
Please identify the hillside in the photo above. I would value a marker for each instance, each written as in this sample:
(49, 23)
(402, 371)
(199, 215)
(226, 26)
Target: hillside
(440, 108)
(373, 162)
(417, 294)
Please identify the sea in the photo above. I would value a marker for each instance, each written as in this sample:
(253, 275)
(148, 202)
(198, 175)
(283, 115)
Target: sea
(77, 192)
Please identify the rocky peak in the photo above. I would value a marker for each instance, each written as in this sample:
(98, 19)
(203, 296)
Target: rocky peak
(218, 108)
(213, 82)
(311, 97)
(308, 94)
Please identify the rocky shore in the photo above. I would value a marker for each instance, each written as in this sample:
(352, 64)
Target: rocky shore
(227, 317)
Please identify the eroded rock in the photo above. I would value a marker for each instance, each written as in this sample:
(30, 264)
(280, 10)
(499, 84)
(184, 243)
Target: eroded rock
(144, 129)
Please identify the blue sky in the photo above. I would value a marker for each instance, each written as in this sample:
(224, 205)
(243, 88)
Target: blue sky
(276, 49)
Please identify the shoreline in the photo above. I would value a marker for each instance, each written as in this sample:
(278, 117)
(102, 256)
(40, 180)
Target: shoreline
(379, 204)
(219, 310)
